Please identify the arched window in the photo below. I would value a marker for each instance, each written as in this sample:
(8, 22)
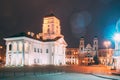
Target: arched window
(81, 43)
(10, 47)
(81, 48)
(95, 43)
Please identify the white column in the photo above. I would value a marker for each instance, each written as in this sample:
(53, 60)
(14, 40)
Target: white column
(17, 56)
(11, 62)
(23, 54)
(53, 53)
(7, 48)
(64, 55)
(29, 51)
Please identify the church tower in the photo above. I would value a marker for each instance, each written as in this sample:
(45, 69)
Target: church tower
(51, 27)
(81, 46)
(95, 44)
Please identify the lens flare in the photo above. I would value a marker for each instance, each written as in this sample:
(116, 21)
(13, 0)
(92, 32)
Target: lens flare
(79, 22)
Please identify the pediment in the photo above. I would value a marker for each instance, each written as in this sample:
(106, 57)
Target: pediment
(62, 41)
(88, 46)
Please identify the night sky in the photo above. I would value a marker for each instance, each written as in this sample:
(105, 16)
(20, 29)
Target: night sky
(78, 18)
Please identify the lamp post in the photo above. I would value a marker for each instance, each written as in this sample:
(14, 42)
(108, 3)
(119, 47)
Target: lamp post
(0, 53)
(107, 45)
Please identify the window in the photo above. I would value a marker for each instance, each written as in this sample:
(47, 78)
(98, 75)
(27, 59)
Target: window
(95, 42)
(34, 49)
(81, 48)
(10, 47)
(34, 60)
(48, 31)
(38, 61)
(95, 48)
(46, 50)
(81, 43)
(38, 50)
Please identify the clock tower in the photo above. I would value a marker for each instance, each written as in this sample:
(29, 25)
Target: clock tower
(51, 27)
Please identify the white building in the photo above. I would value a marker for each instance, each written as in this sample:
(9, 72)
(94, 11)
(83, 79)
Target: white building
(30, 49)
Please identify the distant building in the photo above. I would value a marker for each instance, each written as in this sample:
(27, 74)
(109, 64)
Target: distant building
(87, 53)
(72, 56)
(2, 55)
(46, 48)
(105, 56)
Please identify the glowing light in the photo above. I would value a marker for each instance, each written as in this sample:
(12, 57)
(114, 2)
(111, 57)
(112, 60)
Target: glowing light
(1, 47)
(83, 61)
(107, 44)
(79, 22)
(37, 36)
(117, 37)
(28, 33)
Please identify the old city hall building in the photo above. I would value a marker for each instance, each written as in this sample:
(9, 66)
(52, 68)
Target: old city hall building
(46, 48)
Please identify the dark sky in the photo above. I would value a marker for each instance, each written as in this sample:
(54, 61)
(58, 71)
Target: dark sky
(78, 18)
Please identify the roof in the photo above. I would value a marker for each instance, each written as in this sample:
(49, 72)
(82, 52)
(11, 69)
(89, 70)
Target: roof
(81, 37)
(23, 34)
(50, 15)
(48, 40)
(88, 46)
(19, 35)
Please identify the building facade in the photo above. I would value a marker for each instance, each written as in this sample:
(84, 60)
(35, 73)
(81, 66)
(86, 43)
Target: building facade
(47, 48)
(105, 56)
(87, 53)
(72, 56)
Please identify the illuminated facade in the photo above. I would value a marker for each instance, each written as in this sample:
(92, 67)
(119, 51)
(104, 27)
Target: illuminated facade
(87, 54)
(30, 49)
(51, 27)
(72, 56)
(105, 56)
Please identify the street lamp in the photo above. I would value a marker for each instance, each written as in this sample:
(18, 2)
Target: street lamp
(0, 53)
(1, 47)
(107, 44)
